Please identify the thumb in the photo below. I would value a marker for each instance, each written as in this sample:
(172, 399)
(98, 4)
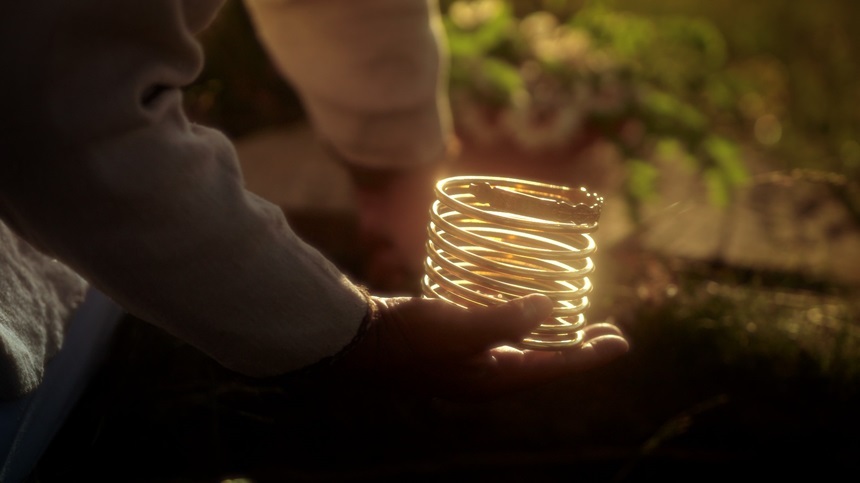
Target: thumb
(488, 327)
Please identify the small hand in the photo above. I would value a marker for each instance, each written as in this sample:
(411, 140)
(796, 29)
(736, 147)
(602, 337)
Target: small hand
(432, 347)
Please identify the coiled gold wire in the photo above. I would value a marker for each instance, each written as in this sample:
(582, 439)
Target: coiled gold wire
(494, 239)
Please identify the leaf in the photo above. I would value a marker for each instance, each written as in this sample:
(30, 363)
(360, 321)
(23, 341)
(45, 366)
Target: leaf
(727, 160)
(719, 193)
(641, 179)
(497, 29)
(462, 45)
(501, 78)
(484, 38)
(670, 113)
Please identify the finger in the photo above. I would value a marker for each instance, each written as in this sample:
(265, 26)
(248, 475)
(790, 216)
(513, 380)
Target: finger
(602, 328)
(543, 365)
(483, 328)
(516, 369)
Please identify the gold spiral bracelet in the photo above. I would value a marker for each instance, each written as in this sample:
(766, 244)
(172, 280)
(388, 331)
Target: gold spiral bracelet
(494, 239)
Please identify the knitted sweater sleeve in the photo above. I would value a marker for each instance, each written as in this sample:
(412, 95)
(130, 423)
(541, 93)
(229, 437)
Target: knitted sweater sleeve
(101, 169)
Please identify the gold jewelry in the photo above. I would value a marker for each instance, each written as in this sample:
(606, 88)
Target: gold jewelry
(493, 239)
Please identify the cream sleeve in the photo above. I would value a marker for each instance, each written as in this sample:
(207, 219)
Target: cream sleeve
(372, 74)
(101, 169)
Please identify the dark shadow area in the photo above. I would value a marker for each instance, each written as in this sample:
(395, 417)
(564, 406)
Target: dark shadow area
(700, 397)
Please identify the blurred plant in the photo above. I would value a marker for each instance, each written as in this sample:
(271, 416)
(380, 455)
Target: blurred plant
(551, 78)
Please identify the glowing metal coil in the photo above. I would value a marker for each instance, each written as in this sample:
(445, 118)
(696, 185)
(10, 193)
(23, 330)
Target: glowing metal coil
(493, 239)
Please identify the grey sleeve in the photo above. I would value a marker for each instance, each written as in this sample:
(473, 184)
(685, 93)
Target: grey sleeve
(102, 170)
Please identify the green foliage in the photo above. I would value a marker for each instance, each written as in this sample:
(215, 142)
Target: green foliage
(600, 70)
(497, 81)
(641, 179)
(667, 114)
(726, 169)
(475, 32)
(795, 62)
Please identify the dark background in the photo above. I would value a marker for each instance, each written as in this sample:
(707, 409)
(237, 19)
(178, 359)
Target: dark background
(735, 371)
